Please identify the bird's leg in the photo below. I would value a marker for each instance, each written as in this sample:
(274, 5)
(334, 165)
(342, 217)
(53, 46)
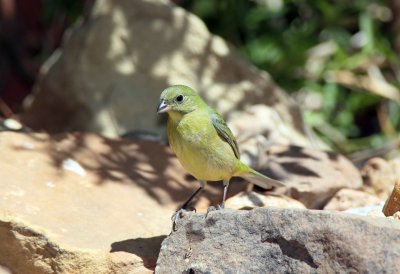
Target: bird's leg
(226, 185)
(222, 205)
(177, 215)
(185, 204)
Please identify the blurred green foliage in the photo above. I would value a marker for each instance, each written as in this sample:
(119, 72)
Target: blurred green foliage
(336, 58)
(72, 9)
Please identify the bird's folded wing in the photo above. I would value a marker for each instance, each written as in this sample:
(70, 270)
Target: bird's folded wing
(224, 131)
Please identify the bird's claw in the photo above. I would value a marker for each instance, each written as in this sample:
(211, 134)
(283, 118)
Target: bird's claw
(214, 208)
(178, 215)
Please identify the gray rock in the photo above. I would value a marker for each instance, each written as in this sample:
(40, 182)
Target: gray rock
(272, 240)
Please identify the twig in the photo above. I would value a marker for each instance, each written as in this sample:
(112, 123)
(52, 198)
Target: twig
(5, 109)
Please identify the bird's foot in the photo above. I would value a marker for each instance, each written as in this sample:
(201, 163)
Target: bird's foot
(178, 215)
(214, 208)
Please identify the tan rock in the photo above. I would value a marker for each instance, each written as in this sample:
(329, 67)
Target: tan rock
(78, 212)
(266, 127)
(80, 203)
(371, 210)
(380, 175)
(312, 176)
(4, 270)
(396, 215)
(376, 213)
(392, 204)
(249, 200)
(351, 198)
(113, 67)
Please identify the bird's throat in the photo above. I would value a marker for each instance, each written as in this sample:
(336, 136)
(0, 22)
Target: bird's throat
(175, 116)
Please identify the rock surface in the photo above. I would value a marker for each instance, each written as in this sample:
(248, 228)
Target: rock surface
(372, 210)
(379, 176)
(80, 203)
(249, 200)
(396, 216)
(312, 176)
(281, 241)
(113, 67)
(4, 270)
(259, 126)
(351, 198)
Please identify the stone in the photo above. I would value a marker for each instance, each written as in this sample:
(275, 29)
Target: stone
(81, 203)
(54, 219)
(396, 215)
(109, 74)
(249, 200)
(380, 175)
(312, 176)
(267, 127)
(12, 124)
(392, 204)
(372, 210)
(4, 270)
(351, 198)
(274, 240)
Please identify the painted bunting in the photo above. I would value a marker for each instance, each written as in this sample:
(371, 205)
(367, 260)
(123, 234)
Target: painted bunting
(203, 142)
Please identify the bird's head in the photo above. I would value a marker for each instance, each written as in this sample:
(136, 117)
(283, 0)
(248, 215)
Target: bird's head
(180, 100)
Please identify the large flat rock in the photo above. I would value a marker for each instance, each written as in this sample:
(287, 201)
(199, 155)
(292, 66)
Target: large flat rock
(272, 240)
(80, 203)
(55, 218)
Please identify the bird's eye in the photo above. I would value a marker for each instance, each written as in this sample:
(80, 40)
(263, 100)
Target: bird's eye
(179, 98)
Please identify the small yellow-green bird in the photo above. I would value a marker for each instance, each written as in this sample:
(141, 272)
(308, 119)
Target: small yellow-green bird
(203, 142)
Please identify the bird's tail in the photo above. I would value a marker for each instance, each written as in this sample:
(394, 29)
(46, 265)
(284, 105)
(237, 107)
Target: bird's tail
(260, 180)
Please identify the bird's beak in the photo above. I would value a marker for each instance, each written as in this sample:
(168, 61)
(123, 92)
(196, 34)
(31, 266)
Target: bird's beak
(163, 107)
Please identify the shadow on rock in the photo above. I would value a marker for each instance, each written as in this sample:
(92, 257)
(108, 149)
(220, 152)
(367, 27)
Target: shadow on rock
(146, 248)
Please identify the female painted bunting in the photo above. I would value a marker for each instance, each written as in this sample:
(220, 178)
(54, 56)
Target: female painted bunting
(203, 142)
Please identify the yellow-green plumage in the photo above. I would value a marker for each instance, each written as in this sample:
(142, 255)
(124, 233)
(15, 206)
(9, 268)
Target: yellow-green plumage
(200, 149)
(202, 141)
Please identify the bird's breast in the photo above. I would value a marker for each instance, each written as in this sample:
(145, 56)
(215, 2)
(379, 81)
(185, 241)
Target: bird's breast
(200, 149)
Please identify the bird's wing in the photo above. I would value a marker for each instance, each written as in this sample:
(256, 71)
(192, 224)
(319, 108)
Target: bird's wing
(223, 130)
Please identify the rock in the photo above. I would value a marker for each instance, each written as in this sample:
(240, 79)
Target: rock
(312, 176)
(12, 124)
(113, 67)
(372, 210)
(380, 175)
(267, 127)
(80, 203)
(249, 200)
(351, 198)
(392, 204)
(396, 216)
(272, 240)
(54, 219)
(4, 270)
(376, 213)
